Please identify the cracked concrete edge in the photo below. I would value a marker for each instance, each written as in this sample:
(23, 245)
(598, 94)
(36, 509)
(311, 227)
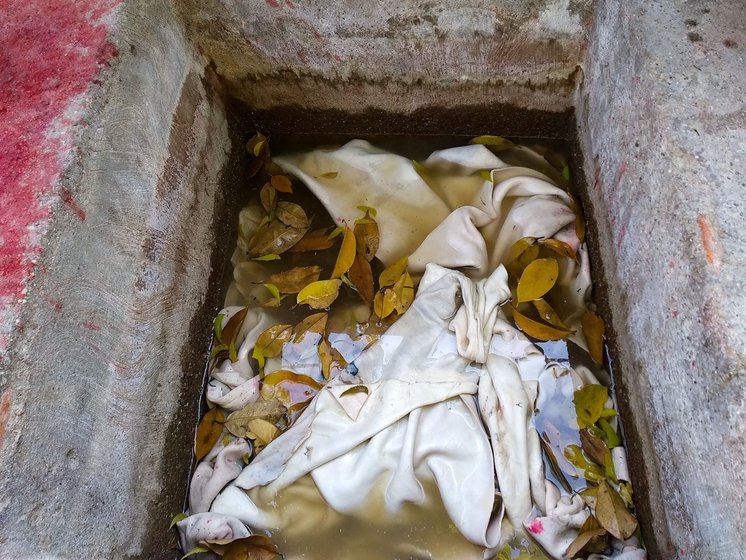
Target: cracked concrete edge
(667, 196)
(96, 380)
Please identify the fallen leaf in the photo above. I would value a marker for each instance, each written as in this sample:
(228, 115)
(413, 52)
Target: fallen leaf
(262, 431)
(321, 294)
(485, 174)
(258, 147)
(255, 547)
(521, 254)
(591, 538)
(593, 331)
(593, 446)
(282, 183)
(329, 175)
(268, 198)
(538, 330)
(548, 313)
(268, 257)
(588, 469)
(566, 173)
(178, 517)
(294, 280)
(612, 514)
(325, 356)
(346, 255)
(233, 326)
(217, 325)
(579, 221)
(275, 238)
(404, 290)
(355, 390)
(195, 550)
(208, 432)
(270, 342)
(253, 141)
(368, 210)
(361, 277)
(612, 438)
(237, 422)
(494, 143)
(289, 388)
(315, 323)
(384, 303)
(559, 247)
(537, 279)
(589, 404)
(293, 215)
(316, 240)
(336, 232)
(367, 237)
(274, 291)
(393, 272)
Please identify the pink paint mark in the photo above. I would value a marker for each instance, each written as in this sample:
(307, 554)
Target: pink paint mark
(694, 364)
(301, 56)
(710, 242)
(54, 303)
(289, 4)
(273, 3)
(536, 527)
(671, 264)
(50, 52)
(91, 326)
(317, 34)
(5, 402)
(68, 198)
(337, 58)
(637, 80)
(620, 174)
(674, 313)
(622, 235)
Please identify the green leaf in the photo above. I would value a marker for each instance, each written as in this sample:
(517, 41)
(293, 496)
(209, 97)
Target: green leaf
(232, 354)
(269, 257)
(612, 438)
(272, 289)
(330, 175)
(178, 517)
(346, 280)
(335, 232)
(495, 143)
(218, 326)
(258, 356)
(486, 174)
(195, 550)
(590, 470)
(566, 173)
(589, 404)
(217, 349)
(369, 210)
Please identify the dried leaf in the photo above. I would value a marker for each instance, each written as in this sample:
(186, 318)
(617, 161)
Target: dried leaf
(521, 254)
(255, 547)
(385, 302)
(268, 198)
(593, 331)
(208, 432)
(537, 279)
(274, 238)
(355, 390)
(589, 404)
(538, 330)
(588, 469)
(289, 388)
(404, 290)
(262, 431)
(325, 356)
(548, 313)
(293, 215)
(494, 143)
(270, 342)
(282, 183)
(237, 422)
(361, 277)
(367, 237)
(316, 240)
(346, 255)
(392, 273)
(315, 323)
(321, 294)
(591, 538)
(612, 514)
(233, 326)
(294, 280)
(579, 221)
(178, 517)
(594, 446)
(329, 175)
(560, 247)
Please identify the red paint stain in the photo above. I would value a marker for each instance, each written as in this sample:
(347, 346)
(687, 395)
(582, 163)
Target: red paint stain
(54, 303)
(317, 34)
(273, 3)
(536, 527)
(289, 4)
(674, 313)
(302, 56)
(620, 174)
(68, 198)
(49, 54)
(337, 58)
(5, 402)
(622, 235)
(710, 242)
(91, 326)
(671, 264)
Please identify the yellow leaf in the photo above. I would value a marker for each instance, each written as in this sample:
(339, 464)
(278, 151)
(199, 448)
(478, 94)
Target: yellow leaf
(263, 430)
(392, 273)
(321, 294)
(385, 302)
(368, 210)
(282, 183)
(521, 254)
(346, 255)
(367, 237)
(589, 404)
(612, 514)
(579, 221)
(316, 240)
(258, 147)
(593, 331)
(494, 143)
(292, 281)
(270, 342)
(272, 289)
(548, 313)
(237, 422)
(560, 247)
(486, 174)
(329, 175)
(315, 323)
(208, 432)
(325, 356)
(591, 538)
(404, 290)
(538, 330)
(537, 279)
(253, 141)
(289, 388)
(292, 215)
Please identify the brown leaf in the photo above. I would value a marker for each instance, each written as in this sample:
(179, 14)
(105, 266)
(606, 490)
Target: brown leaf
(282, 183)
(289, 388)
(579, 221)
(293, 215)
(593, 331)
(315, 323)
(294, 280)
(367, 237)
(537, 279)
(355, 390)
(559, 247)
(316, 240)
(593, 446)
(520, 255)
(612, 514)
(268, 198)
(208, 432)
(548, 313)
(591, 538)
(325, 356)
(274, 238)
(233, 326)
(392, 273)
(270, 342)
(538, 330)
(237, 422)
(321, 294)
(346, 255)
(255, 547)
(361, 277)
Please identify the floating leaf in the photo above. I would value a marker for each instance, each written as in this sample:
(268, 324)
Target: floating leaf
(537, 279)
(289, 388)
(594, 446)
(336, 231)
(178, 517)
(315, 323)
(612, 438)
(268, 198)
(538, 330)
(548, 313)
(255, 547)
(384, 303)
(321, 294)
(270, 342)
(392, 273)
(559, 247)
(404, 290)
(282, 183)
(591, 538)
(346, 255)
(293, 215)
(208, 432)
(367, 237)
(274, 238)
(325, 356)
(593, 331)
(368, 210)
(494, 143)
(361, 276)
(612, 514)
(269, 257)
(316, 240)
(591, 471)
(218, 326)
(237, 422)
(355, 390)
(589, 404)
(625, 491)
(521, 254)
(195, 550)
(233, 326)
(294, 280)
(329, 175)
(272, 289)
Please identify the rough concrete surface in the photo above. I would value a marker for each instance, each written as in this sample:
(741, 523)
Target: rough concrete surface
(663, 127)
